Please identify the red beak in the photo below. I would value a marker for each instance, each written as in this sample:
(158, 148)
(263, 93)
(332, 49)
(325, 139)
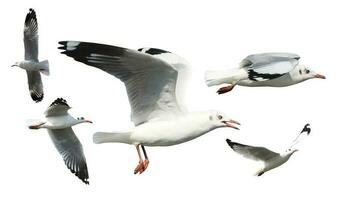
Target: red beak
(231, 124)
(319, 76)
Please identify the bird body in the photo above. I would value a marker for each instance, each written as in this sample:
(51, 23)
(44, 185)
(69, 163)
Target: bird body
(159, 132)
(60, 122)
(261, 70)
(275, 162)
(30, 65)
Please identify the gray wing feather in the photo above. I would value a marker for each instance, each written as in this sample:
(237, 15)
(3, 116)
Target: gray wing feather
(273, 65)
(70, 148)
(31, 36)
(57, 110)
(150, 82)
(35, 85)
(252, 152)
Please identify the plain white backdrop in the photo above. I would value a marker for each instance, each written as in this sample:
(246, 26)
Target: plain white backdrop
(210, 35)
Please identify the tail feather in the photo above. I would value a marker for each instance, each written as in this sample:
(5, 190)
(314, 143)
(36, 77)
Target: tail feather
(44, 67)
(224, 76)
(108, 137)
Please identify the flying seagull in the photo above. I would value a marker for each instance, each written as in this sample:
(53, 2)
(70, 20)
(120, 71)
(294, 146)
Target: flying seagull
(152, 78)
(270, 158)
(58, 123)
(31, 64)
(266, 69)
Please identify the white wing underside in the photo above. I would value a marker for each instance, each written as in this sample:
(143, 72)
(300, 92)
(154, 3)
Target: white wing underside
(252, 152)
(150, 80)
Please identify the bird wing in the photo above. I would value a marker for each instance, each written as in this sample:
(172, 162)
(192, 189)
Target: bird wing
(70, 148)
(150, 81)
(301, 136)
(251, 152)
(31, 36)
(267, 66)
(58, 107)
(35, 85)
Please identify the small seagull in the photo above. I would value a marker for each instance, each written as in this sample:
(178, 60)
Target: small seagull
(270, 158)
(266, 69)
(152, 78)
(31, 64)
(58, 122)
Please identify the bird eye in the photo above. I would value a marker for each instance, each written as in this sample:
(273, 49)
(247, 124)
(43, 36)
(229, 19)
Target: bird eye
(220, 117)
(300, 72)
(82, 118)
(307, 71)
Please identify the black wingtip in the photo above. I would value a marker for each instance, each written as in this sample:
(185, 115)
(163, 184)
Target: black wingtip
(306, 129)
(59, 101)
(229, 142)
(31, 15)
(36, 98)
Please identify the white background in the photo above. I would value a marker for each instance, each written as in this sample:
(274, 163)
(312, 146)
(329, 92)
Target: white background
(210, 35)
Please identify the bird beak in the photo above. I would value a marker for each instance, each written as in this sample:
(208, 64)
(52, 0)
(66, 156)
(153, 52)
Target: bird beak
(88, 121)
(319, 76)
(14, 65)
(231, 124)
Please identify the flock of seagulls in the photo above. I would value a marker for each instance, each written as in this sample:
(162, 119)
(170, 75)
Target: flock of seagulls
(153, 79)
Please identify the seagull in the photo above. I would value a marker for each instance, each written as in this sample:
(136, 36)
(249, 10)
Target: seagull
(31, 64)
(152, 78)
(58, 123)
(270, 158)
(266, 69)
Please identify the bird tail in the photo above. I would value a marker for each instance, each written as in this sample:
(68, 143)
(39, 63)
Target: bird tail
(224, 76)
(107, 137)
(44, 67)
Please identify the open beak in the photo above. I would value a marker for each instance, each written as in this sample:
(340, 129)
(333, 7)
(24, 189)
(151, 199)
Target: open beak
(89, 121)
(231, 124)
(319, 76)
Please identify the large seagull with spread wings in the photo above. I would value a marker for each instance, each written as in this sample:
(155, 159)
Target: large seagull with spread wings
(153, 79)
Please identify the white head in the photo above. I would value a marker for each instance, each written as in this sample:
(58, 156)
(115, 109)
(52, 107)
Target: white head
(302, 73)
(80, 120)
(16, 64)
(291, 151)
(219, 119)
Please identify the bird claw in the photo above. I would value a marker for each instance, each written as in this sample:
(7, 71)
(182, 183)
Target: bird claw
(142, 166)
(225, 89)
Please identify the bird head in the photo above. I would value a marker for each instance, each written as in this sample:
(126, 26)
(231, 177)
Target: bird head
(302, 73)
(16, 64)
(221, 120)
(83, 120)
(291, 151)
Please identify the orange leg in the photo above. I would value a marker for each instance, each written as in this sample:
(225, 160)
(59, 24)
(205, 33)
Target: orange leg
(142, 164)
(225, 89)
(37, 126)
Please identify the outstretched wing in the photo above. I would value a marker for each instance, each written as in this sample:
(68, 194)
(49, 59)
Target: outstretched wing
(301, 136)
(35, 85)
(251, 152)
(267, 66)
(31, 36)
(70, 148)
(150, 82)
(58, 107)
